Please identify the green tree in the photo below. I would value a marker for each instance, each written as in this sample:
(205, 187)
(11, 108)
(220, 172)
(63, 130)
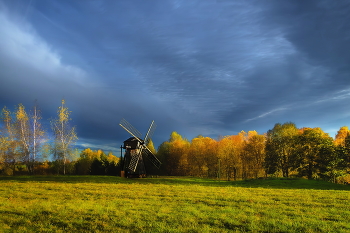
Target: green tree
(347, 151)
(99, 165)
(280, 147)
(314, 150)
(163, 156)
(332, 163)
(83, 165)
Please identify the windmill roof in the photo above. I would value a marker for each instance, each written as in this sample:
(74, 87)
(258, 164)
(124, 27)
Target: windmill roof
(132, 139)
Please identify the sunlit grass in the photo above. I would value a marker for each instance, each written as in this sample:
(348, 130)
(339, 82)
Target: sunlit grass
(113, 204)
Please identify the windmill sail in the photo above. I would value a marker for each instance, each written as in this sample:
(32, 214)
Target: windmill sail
(131, 129)
(146, 152)
(150, 132)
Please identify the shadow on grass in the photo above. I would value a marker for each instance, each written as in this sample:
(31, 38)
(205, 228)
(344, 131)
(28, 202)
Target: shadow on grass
(290, 183)
(270, 183)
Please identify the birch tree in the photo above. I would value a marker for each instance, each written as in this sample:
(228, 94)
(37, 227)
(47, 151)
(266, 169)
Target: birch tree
(23, 134)
(37, 135)
(29, 134)
(64, 135)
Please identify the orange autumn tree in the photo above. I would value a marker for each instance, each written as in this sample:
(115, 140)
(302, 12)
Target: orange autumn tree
(341, 136)
(229, 154)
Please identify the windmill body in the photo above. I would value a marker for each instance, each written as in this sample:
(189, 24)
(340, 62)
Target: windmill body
(136, 150)
(132, 149)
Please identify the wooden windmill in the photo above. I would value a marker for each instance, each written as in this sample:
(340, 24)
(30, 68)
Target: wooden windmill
(136, 150)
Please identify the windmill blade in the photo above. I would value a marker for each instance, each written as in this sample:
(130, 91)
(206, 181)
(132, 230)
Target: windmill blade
(146, 152)
(130, 129)
(150, 132)
(134, 161)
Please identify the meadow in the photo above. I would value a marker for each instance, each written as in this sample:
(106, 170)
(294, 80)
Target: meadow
(171, 204)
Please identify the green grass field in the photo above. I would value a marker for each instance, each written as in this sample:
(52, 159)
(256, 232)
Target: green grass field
(171, 204)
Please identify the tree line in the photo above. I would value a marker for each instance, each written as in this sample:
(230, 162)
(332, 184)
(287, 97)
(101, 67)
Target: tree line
(24, 141)
(27, 148)
(284, 151)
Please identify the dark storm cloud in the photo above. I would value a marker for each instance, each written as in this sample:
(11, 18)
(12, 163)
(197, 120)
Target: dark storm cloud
(197, 67)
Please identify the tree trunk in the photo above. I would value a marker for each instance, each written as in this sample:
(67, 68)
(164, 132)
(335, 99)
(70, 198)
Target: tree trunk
(309, 172)
(14, 167)
(64, 165)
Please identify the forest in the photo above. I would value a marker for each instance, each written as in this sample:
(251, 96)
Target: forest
(283, 151)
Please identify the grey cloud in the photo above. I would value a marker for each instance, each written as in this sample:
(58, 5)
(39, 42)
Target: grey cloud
(195, 67)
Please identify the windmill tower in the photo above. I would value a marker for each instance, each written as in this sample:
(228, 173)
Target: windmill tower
(136, 150)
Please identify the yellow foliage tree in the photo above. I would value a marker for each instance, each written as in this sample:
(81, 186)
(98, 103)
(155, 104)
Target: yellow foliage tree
(229, 153)
(23, 132)
(254, 155)
(65, 135)
(9, 153)
(150, 146)
(202, 156)
(176, 160)
(112, 158)
(341, 135)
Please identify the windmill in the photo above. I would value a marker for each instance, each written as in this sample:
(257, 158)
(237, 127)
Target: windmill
(137, 150)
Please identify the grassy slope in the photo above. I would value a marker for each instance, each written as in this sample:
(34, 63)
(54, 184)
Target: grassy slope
(112, 204)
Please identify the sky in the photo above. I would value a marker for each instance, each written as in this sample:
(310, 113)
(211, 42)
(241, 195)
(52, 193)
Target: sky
(210, 68)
